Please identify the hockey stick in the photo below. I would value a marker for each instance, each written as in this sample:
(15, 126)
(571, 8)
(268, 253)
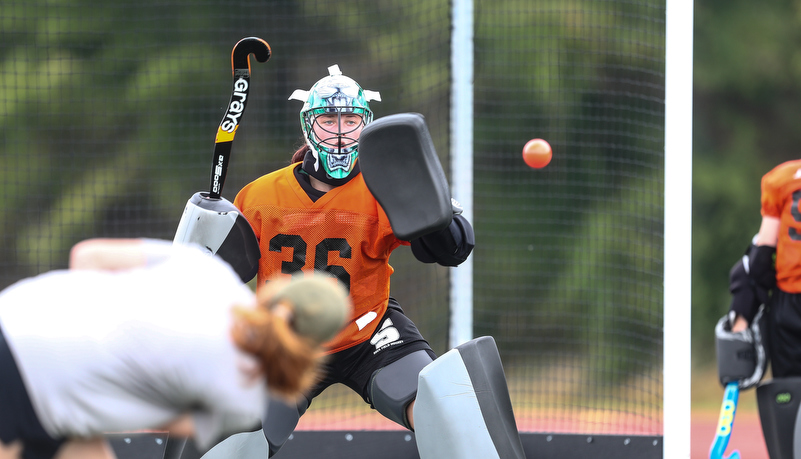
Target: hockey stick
(240, 66)
(209, 220)
(244, 265)
(725, 423)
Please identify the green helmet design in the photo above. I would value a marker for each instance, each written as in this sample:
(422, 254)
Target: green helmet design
(336, 148)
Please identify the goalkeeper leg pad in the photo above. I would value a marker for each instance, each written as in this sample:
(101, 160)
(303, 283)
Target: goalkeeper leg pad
(246, 445)
(282, 418)
(778, 401)
(463, 409)
(278, 425)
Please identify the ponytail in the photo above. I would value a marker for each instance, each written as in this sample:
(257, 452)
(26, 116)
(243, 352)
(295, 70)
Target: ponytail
(290, 362)
(300, 154)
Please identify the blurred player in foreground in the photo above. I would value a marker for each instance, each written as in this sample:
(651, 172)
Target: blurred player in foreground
(318, 214)
(140, 334)
(770, 274)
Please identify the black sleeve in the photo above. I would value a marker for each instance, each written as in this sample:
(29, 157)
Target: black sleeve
(448, 247)
(744, 300)
(762, 265)
(749, 290)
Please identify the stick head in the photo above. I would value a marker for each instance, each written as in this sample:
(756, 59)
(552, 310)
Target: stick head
(240, 55)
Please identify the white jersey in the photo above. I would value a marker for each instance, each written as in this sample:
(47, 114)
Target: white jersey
(119, 351)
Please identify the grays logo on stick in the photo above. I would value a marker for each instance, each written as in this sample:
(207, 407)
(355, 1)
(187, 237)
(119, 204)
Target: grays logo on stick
(236, 106)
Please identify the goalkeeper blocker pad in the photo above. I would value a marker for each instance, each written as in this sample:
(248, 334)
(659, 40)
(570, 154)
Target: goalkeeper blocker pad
(401, 169)
(463, 409)
(218, 226)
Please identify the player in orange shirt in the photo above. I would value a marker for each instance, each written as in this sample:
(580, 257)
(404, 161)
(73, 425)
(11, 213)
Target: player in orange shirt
(774, 265)
(318, 214)
(770, 274)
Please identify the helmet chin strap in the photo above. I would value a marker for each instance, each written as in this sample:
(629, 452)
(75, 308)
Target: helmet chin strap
(321, 175)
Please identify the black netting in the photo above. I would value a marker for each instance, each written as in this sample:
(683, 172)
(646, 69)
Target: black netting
(109, 112)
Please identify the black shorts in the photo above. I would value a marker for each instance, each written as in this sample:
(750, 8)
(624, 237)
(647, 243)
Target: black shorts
(354, 367)
(783, 334)
(18, 421)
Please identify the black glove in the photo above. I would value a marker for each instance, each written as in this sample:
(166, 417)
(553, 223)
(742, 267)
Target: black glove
(449, 247)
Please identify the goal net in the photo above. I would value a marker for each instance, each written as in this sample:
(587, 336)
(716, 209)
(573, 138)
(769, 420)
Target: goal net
(109, 111)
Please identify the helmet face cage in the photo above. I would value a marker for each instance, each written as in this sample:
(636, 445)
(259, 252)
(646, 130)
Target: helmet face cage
(336, 149)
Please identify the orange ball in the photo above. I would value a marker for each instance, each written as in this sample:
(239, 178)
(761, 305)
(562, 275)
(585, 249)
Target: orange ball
(537, 153)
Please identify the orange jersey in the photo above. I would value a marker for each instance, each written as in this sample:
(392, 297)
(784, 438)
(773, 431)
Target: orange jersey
(345, 232)
(781, 194)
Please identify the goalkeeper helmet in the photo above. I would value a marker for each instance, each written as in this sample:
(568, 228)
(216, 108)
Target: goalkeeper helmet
(334, 112)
